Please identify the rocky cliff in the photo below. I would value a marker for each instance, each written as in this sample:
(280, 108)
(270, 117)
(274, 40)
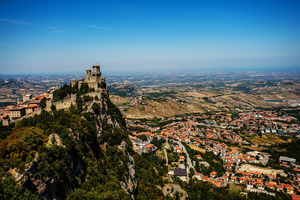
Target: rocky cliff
(80, 152)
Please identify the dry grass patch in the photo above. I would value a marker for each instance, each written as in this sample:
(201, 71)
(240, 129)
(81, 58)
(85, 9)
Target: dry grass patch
(196, 94)
(235, 187)
(253, 148)
(235, 84)
(197, 148)
(263, 170)
(118, 100)
(160, 154)
(267, 140)
(211, 94)
(163, 109)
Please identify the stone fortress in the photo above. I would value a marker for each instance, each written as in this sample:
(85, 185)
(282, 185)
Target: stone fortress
(30, 106)
(93, 79)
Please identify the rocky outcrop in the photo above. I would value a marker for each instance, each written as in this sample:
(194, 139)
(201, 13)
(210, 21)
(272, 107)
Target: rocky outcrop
(122, 146)
(54, 139)
(104, 116)
(49, 187)
(46, 188)
(30, 168)
(130, 183)
(172, 189)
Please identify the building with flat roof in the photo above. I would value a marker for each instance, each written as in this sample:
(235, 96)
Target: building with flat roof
(287, 160)
(180, 172)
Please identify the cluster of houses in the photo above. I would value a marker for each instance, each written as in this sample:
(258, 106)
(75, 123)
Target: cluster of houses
(230, 155)
(14, 112)
(141, 146)
(211, 140)
(253, 122)
(29, 106)
(269, 122)
(215, 139)
(259, 121)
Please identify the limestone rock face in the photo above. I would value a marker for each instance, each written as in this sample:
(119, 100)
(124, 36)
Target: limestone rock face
(130, 183)
(171, 189)
(104, 116)
(30, 169)
(122, 146)
(47, 188)
(54, 139)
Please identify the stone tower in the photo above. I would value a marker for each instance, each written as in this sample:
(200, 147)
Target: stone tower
(88, 74)
(96, 70)
(93, 78)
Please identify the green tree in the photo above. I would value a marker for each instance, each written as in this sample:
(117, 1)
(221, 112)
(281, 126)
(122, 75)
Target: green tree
(53, 107)
(43, 102)
(87, 98)
(96, 108)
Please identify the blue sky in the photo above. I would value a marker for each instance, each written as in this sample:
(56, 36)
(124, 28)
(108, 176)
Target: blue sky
(65, 36)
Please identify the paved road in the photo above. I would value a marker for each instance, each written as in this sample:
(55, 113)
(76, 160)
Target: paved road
(166, 156)
(188, 160)
(167, 146)
(140, 151)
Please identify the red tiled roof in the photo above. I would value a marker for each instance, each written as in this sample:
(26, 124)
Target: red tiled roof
(295, 197)
(149, 145)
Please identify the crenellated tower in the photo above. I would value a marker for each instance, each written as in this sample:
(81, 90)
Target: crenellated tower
(96, 70)
(93, 79)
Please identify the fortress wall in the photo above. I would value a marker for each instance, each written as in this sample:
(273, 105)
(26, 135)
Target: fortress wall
(63, 104)
(91, 81)
(66, 103)
(34, 112)
(93, 85)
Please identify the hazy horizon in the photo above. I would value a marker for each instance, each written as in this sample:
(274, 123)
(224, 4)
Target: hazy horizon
(67, 36)
(126, 72)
